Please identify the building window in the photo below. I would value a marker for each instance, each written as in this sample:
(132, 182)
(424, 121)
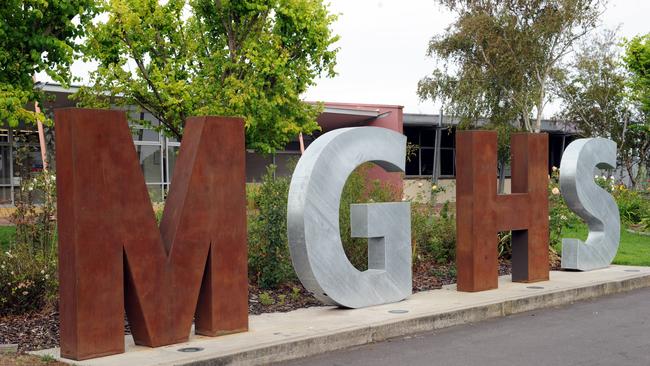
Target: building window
(422, 162)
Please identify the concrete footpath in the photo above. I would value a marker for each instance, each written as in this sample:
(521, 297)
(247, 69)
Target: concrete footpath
(306, 332)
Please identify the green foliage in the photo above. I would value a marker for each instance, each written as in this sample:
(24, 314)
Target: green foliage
(6, 236)
(360, 188)
(269, 261)
(499, 57)
(637, 63)
(27, 280)
(442, 244)
(600, 99)
(433, 235)
(560, 217)
(645, 223)
(295, 293)
(632, 206)
(281, 299)
(266, 299)
(249, 58)
(36, 36)
(28, 268)
(47, 358)
(35, 214)
(593, 90)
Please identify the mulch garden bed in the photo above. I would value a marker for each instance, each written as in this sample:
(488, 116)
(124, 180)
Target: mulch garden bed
(41, 330)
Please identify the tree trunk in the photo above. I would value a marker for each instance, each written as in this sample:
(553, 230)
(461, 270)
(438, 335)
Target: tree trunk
(502, 176)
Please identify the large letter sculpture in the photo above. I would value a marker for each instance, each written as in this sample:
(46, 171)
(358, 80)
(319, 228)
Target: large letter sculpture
(313, 221)
(591, 203)
(112, 255)
(481, 213)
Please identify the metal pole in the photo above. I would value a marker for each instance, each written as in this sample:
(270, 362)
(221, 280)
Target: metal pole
(302, 143)
(41, 133)
(436, 151)
(11, 165)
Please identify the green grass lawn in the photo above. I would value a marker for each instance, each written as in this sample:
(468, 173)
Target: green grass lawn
(6, 234)
(634, 249)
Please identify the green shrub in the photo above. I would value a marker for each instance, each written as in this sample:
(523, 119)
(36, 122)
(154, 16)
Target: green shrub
(421, 229)
(442, 244)
(28, 280)
(269, 261)
(645, 223)
(28, 270)
(560, 217)
(433, 235)
(632, 205)
(360, 188)
(266, 299)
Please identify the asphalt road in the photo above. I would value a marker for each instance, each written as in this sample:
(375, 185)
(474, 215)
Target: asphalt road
(612, 331)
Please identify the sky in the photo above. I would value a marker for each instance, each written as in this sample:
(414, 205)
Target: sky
(383, 45)
(383, 48)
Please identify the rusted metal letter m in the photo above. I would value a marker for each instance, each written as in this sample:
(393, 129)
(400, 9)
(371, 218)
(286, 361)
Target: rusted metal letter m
(114, 257)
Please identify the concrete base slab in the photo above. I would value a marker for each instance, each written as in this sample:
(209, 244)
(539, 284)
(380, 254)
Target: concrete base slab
(283, 336)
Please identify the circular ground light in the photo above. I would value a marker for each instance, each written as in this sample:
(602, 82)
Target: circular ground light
(190, 349)
(535, 287)
(398, 311)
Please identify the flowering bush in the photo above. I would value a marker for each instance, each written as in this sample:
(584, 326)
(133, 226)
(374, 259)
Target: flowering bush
(35, 214)
(28, 280)
(28, 270)
(560, 217)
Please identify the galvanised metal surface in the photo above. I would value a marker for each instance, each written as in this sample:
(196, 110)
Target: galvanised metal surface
(112, 255)
(592, 203)
(313, 221)
(482, 213)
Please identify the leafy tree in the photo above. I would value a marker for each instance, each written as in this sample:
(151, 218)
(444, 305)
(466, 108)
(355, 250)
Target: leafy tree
(249, 58)
(36, 36)
(637, 62)
(500, 55)
(593, 94)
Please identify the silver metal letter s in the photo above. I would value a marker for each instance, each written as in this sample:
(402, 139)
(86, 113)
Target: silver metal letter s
(592, 203)
(313, 221)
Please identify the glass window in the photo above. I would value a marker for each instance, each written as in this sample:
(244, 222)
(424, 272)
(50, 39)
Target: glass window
(4, 135)
(412, 135)
(428, 137)
(427, 161)
(141, 134)
(413, 165)
(448, 138)
(447, 162)
(150, 162)
(172, 155)
(5, 165)
(5, 195)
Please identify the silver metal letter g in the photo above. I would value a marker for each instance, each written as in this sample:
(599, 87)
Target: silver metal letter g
(313, 221)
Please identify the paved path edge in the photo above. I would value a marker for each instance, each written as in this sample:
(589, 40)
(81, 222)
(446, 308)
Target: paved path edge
(334, 341)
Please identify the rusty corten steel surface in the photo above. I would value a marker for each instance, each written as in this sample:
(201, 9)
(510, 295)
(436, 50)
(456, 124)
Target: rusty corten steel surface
(481, 213)
(113, 256)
